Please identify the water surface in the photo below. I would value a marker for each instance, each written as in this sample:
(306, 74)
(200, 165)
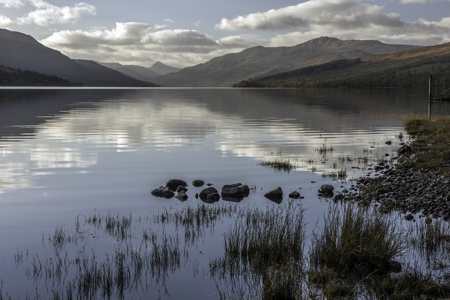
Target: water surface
(76, 152)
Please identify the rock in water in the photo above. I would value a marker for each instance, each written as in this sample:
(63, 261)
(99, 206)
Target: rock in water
(182, 196)
(163, 192)
(275, 195)
(294, 195)
(198, 183)
(326, 189)
(173, 184)
(204, 193)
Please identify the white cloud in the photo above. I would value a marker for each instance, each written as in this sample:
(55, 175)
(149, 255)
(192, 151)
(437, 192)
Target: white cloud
(12, 3)
(140, 43)
(168, 20)
(345, 19)
(45, 14)
(422, 1)
(338, 14)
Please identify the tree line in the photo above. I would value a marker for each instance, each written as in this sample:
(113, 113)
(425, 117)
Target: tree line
(17, 77)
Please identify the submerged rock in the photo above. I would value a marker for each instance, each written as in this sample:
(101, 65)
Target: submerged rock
(173, 184)
(204, 193)
(213, 197)
(275, 195)
(294, 195)
(198, 183)
(409, 217)
(182, 196)
(326, 189)
(163, 192)
(181, 189)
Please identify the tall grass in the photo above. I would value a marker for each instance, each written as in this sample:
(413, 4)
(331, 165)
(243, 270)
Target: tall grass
(265, 249)
(355, 243)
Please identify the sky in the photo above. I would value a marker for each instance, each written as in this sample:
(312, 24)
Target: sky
(183, 33)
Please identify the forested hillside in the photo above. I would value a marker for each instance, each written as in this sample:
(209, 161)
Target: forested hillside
(402, 69)
(12, 77)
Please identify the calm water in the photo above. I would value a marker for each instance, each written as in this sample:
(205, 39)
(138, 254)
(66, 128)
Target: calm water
(68, 153)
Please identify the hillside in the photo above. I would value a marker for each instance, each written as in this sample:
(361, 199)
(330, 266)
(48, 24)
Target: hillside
(107, 77)
(21, 51)
(262, 61)
(12, 77)
(162, 69)
(137, 72)
(409, 68)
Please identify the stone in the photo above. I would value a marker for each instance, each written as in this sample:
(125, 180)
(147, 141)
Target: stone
(163, 192)
(231, 185)
(326, 189)
(181, 196)
(181, 189)
(409, 217)
(232, 191)
(294, 195)
(214, 197)
(388, 142)
(275, 195)
(173, 184)
(198, 183)
(204, 193)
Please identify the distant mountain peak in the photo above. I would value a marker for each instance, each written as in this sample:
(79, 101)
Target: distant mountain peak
(163, 69)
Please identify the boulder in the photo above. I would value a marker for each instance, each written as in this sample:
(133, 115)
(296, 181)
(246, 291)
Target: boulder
(231, 185)
(198, 183)
(182, 196)
(409, 217)
(326, 189)
(246, 190)
(232, 191)
(294, 195)
(173, 184)
(211, 198)
(275, 195)
(204, 193)
(163, 192)
(181, 189)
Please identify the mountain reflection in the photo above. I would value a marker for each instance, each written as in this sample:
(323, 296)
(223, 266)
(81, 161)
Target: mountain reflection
(43, 131)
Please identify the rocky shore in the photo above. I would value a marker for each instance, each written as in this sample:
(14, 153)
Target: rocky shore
(416, 193)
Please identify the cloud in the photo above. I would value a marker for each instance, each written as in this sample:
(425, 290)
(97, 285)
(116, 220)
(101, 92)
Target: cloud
(168, 20)
(12, 3)
(422, 1)
(44, 13)
(338, 14)
(142, 44)
(345, 19)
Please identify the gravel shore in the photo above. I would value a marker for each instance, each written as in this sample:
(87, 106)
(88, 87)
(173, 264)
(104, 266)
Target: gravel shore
(415, 192)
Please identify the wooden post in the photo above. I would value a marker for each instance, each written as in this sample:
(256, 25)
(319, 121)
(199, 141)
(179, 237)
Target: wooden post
(429, 98)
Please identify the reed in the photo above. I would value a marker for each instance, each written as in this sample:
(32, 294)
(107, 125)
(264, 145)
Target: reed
(265, 247)
(279, 165)
(354, 243)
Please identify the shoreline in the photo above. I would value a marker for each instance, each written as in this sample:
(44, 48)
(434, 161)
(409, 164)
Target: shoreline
(419, 183)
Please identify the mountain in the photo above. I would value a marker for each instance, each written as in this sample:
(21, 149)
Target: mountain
(137, 72)
(163, 69)
(410, 68)
(21, 51)
(262, 61)
(105, 76)
(12, 77)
